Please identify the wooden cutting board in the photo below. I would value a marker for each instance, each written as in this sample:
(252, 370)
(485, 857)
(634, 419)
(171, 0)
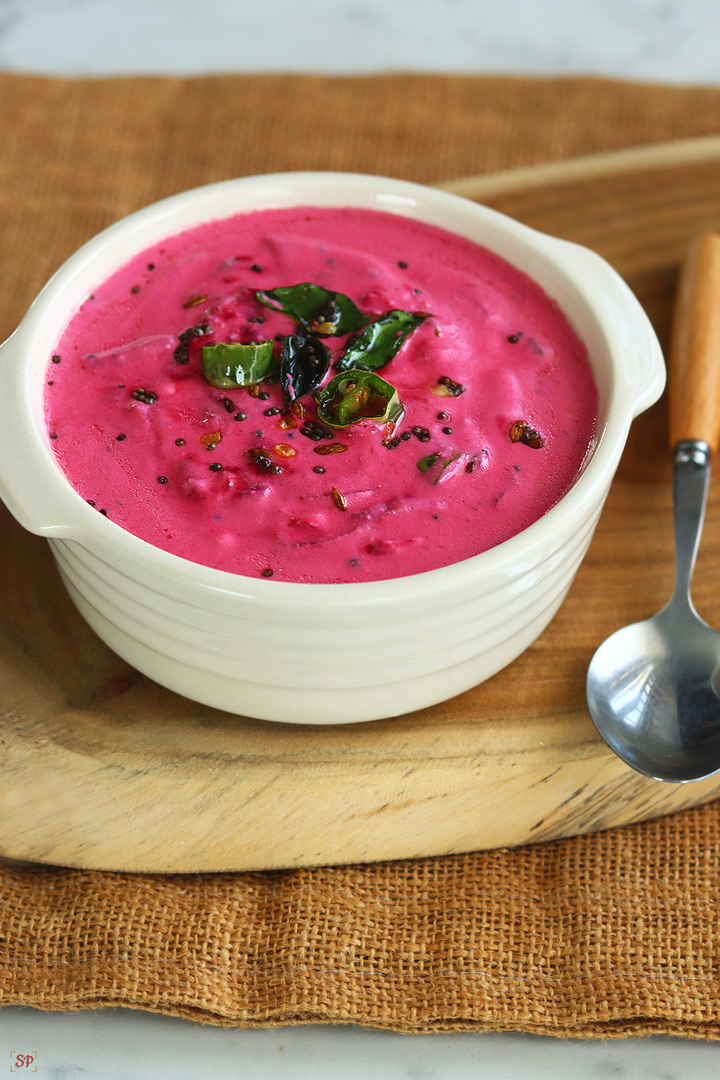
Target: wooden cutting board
(101, 768)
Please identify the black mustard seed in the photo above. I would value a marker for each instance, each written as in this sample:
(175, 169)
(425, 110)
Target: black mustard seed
(147, 397)
(454, 389)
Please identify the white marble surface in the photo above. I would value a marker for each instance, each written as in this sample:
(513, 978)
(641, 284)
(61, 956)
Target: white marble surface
(139, 1046)
(661, 40)
(642, 39)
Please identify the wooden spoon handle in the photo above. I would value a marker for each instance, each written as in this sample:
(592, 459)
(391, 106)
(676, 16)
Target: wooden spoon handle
(694, 370)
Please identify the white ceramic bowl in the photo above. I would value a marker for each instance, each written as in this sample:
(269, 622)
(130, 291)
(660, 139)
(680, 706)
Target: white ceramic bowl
(326, 654)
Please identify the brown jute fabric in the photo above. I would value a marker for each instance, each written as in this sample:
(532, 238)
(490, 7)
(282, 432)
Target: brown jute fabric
(599, 936)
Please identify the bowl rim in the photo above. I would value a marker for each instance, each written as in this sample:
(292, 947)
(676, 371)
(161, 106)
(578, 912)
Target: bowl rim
(62, 513)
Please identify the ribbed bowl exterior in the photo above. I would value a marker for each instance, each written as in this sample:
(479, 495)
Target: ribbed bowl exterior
(310, 665)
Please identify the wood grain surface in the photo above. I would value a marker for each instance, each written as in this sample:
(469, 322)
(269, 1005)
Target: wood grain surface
(101, 768)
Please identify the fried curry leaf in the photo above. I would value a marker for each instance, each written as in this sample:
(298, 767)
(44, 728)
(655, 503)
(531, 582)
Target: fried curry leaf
(304, 363)
(358, 395)
(319, 311)
(374, 346)
(231, 364)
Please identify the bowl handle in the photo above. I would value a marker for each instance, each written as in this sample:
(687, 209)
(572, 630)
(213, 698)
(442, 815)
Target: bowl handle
(643, 375)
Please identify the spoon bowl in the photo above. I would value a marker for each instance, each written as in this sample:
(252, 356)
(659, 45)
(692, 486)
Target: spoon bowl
(653, 693)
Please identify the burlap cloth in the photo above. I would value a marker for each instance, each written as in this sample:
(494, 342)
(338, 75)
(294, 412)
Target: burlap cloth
(605, 935)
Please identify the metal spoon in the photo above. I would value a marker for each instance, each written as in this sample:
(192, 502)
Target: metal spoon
(653, 688)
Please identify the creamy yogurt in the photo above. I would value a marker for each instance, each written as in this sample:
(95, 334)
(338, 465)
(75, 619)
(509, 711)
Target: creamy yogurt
(494, 401)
